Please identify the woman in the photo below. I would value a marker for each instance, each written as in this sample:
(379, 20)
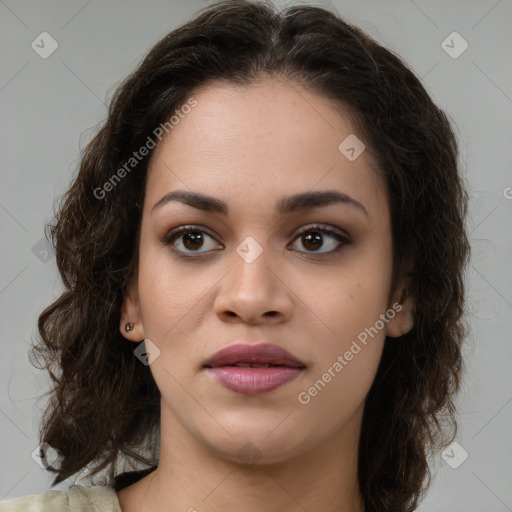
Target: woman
(273, 215)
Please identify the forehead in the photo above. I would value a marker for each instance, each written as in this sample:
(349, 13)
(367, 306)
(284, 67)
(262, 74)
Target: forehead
(257, 142)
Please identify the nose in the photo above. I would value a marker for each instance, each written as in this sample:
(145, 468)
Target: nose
(255, 292)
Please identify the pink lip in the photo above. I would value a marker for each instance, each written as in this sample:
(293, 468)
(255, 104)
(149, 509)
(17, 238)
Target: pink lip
(253, 381)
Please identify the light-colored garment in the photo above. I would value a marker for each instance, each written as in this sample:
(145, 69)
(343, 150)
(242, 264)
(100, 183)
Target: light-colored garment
(79, 498)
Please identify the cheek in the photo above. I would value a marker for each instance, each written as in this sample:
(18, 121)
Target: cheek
(339, 389)
(175, 298)
(346, 359)
(352, 299)
(168, 294)
(347, 355)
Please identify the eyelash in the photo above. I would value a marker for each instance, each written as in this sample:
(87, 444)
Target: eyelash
(176, 233)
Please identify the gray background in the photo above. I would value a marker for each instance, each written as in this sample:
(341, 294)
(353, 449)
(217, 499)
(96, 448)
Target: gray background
(50, 107)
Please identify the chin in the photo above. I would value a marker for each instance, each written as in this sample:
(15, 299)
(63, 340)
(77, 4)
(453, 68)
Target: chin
(258, 444)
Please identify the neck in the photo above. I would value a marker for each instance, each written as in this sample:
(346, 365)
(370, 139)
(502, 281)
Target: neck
(192, 477)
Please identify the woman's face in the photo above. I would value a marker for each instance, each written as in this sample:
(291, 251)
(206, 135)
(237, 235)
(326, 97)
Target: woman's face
(261, 269)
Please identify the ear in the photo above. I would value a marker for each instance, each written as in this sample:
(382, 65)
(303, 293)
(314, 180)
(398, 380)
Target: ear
(403, 305)
(131, 314)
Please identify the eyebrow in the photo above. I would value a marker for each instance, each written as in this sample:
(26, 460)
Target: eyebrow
(287, 205)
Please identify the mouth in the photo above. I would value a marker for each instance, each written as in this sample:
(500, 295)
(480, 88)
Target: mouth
(253, 369)
(255, 365)
(244, 355)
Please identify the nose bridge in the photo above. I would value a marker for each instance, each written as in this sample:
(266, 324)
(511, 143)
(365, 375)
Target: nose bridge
(253, 287)
(252, 272)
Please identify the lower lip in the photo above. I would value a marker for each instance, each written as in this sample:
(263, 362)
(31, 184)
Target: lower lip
(253, 381)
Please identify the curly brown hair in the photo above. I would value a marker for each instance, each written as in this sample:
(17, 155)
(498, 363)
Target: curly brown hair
(104, 402)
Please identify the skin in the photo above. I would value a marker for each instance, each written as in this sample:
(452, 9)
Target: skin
(251, 146)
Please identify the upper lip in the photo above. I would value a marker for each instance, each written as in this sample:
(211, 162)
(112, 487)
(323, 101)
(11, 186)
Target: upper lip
(261, 353)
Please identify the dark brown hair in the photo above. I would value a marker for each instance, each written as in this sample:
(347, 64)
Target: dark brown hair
(105, 403)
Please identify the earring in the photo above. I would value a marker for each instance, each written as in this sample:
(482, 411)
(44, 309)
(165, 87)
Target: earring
(129, 327)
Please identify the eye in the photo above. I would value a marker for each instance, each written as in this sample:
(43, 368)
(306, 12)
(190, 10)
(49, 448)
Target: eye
(313, 239)
(189, 238)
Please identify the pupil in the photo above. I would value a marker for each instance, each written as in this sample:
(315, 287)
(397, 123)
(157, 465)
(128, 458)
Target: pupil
(312, 238)
(195, 239)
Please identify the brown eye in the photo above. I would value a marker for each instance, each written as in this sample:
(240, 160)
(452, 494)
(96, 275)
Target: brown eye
(318, 237)
(187, 239)
(312, 240)
(193, 240)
